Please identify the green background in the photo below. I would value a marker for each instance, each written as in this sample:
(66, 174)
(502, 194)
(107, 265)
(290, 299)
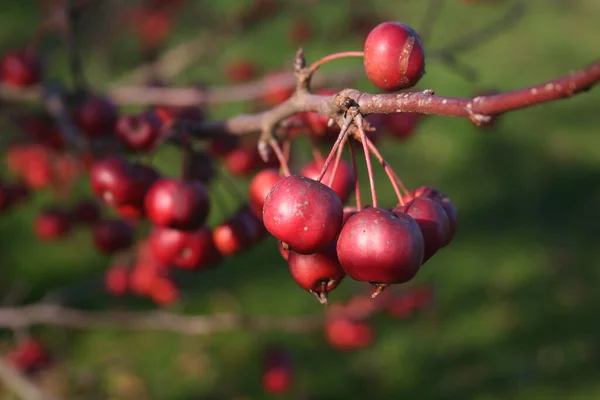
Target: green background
(516, 293)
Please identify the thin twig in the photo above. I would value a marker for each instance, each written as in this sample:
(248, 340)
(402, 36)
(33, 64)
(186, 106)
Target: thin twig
(57, 315)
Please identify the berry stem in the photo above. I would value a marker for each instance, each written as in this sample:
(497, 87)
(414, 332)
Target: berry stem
(357, 184)
(393, 177)
(280, 156)
(363, 139)
(331, 57)
(336, 163)
(337, 143)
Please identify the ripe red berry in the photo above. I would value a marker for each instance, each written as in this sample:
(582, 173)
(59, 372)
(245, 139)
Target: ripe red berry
(318, 273)
(242, 160)
(241, 71)
(380, 247)
(96, 116)
(259, 188)
(184, 249)
(29, 356)
(20, 68)
(118, 182)
(275, 92)
(402, 125)
(394, 56)
(116, 280)
(164, 292)
(238, 233)
(432, 220)
(52, 224)
(343, 182)
(303, 213)
(86, 212)
(177, 204)
(318, 123)
(139, 132)
(344, 333)
(444, 201)
(112, 235)
(277, 374)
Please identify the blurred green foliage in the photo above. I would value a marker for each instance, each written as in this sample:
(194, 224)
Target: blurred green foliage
(517, 294)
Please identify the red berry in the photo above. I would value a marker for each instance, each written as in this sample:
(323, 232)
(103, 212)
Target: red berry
(164, 292)
(116, 280)
(118, 182)
(29, 356)
(343, 182)
(139, 132)
(303, 213)
(112, 235)
(275, 89)
(184, 249)
(86, 212)
(444, 201)
(259, 188)
(242, 160)
(402, 125)
(318, 123)
(177, 204)
(52, 224)
(344, 333)
(378, 246)
(394, 56)
(432, 220)
(319, 273)
(96, 116)
(277, 371)
(241, 71)
(20, 68)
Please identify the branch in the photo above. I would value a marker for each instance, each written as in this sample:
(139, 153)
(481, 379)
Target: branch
(479, 109)
(19, 384)
(57, 315)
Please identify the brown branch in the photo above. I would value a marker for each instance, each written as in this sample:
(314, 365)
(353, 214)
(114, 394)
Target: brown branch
(57, 315)
(19, 384)
(479, 109)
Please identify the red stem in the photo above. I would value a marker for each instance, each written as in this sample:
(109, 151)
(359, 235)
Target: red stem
(281, 157)
(355, 169)
(337, 160)
(337, 143)
(394, 179)
(332, 57)
(363, 139)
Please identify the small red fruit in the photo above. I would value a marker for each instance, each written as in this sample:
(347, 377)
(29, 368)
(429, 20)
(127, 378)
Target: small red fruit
(96, 116)
(432, 220)
(177, 204)
(394, 56)
(86, 212)
(116, 280)
(318, 273)
(20, 68)
(259, 188)
(380, 247)
(242, 160)
(444, 201)
(139, 132)
(344, 333)
(184, 249)
(277, 371)
(112, 235)
(318, 123)
(275, 89)
(241, 71)
(402, 125)
(52, 224)
(343, 182)
(303, 213)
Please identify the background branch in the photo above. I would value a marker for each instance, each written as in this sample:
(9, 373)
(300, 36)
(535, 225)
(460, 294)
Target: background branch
(57, 315)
